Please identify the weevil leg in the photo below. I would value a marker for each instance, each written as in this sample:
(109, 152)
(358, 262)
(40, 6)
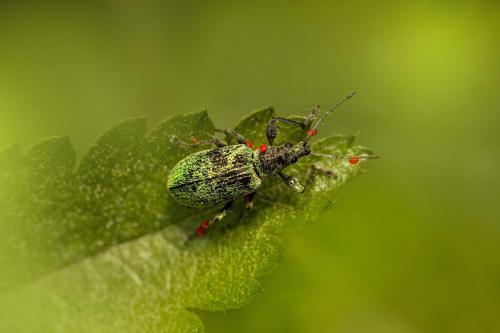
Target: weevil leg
(207, 224)
(272, 129)
(214, 141)
(314, 170)
(249, 198)
(291, 182)
(240, 138)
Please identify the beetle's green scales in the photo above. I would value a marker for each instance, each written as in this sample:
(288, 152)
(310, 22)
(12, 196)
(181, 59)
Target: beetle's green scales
(211, 177)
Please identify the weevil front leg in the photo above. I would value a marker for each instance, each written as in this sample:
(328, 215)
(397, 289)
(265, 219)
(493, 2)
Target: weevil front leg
(204, 226)
(271, 131)
(291, 182)
(214, 141)
(313, 171)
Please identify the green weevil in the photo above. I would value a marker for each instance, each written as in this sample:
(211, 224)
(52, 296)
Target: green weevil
(219, 176)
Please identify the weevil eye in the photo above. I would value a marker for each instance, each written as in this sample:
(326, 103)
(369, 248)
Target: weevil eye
(294, 160)
(288, 145)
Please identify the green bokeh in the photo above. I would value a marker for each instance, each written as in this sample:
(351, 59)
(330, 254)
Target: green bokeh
(412, 246)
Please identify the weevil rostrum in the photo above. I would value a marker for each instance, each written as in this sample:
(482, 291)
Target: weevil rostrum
(221, 175)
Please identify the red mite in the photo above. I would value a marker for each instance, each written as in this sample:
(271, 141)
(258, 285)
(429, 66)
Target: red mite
(354, 160)
(312, 132)
(249, 143)
(200, 231)
(263, 148)
(202, 228)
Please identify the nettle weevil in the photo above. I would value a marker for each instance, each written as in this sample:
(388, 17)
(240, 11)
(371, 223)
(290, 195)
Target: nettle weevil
(211, 177)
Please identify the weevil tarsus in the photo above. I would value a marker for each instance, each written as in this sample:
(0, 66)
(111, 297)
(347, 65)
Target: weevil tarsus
(204, 226)
(314, 170)
(291, 182)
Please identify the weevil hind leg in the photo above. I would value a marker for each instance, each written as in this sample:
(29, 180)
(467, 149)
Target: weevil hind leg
(204, 226)
(249, 200)
(195, 143)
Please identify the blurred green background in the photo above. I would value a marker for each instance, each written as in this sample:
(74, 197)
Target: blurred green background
(412, 246)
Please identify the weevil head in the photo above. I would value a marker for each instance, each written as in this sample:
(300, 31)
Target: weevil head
(270, 160)
(273, 159)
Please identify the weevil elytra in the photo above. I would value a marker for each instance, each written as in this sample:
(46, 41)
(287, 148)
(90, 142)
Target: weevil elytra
(212, 177)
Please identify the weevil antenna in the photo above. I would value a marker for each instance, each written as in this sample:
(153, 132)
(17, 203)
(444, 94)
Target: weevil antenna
(327, 113)
(313, 130)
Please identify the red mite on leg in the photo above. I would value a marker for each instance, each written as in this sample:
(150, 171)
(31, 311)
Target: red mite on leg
(201, 230)
(263, 148)
(249, 143)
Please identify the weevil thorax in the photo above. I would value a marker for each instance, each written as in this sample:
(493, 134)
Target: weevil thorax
(273, 159)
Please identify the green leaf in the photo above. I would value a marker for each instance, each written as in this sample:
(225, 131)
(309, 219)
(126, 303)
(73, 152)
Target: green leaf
(100, 247)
